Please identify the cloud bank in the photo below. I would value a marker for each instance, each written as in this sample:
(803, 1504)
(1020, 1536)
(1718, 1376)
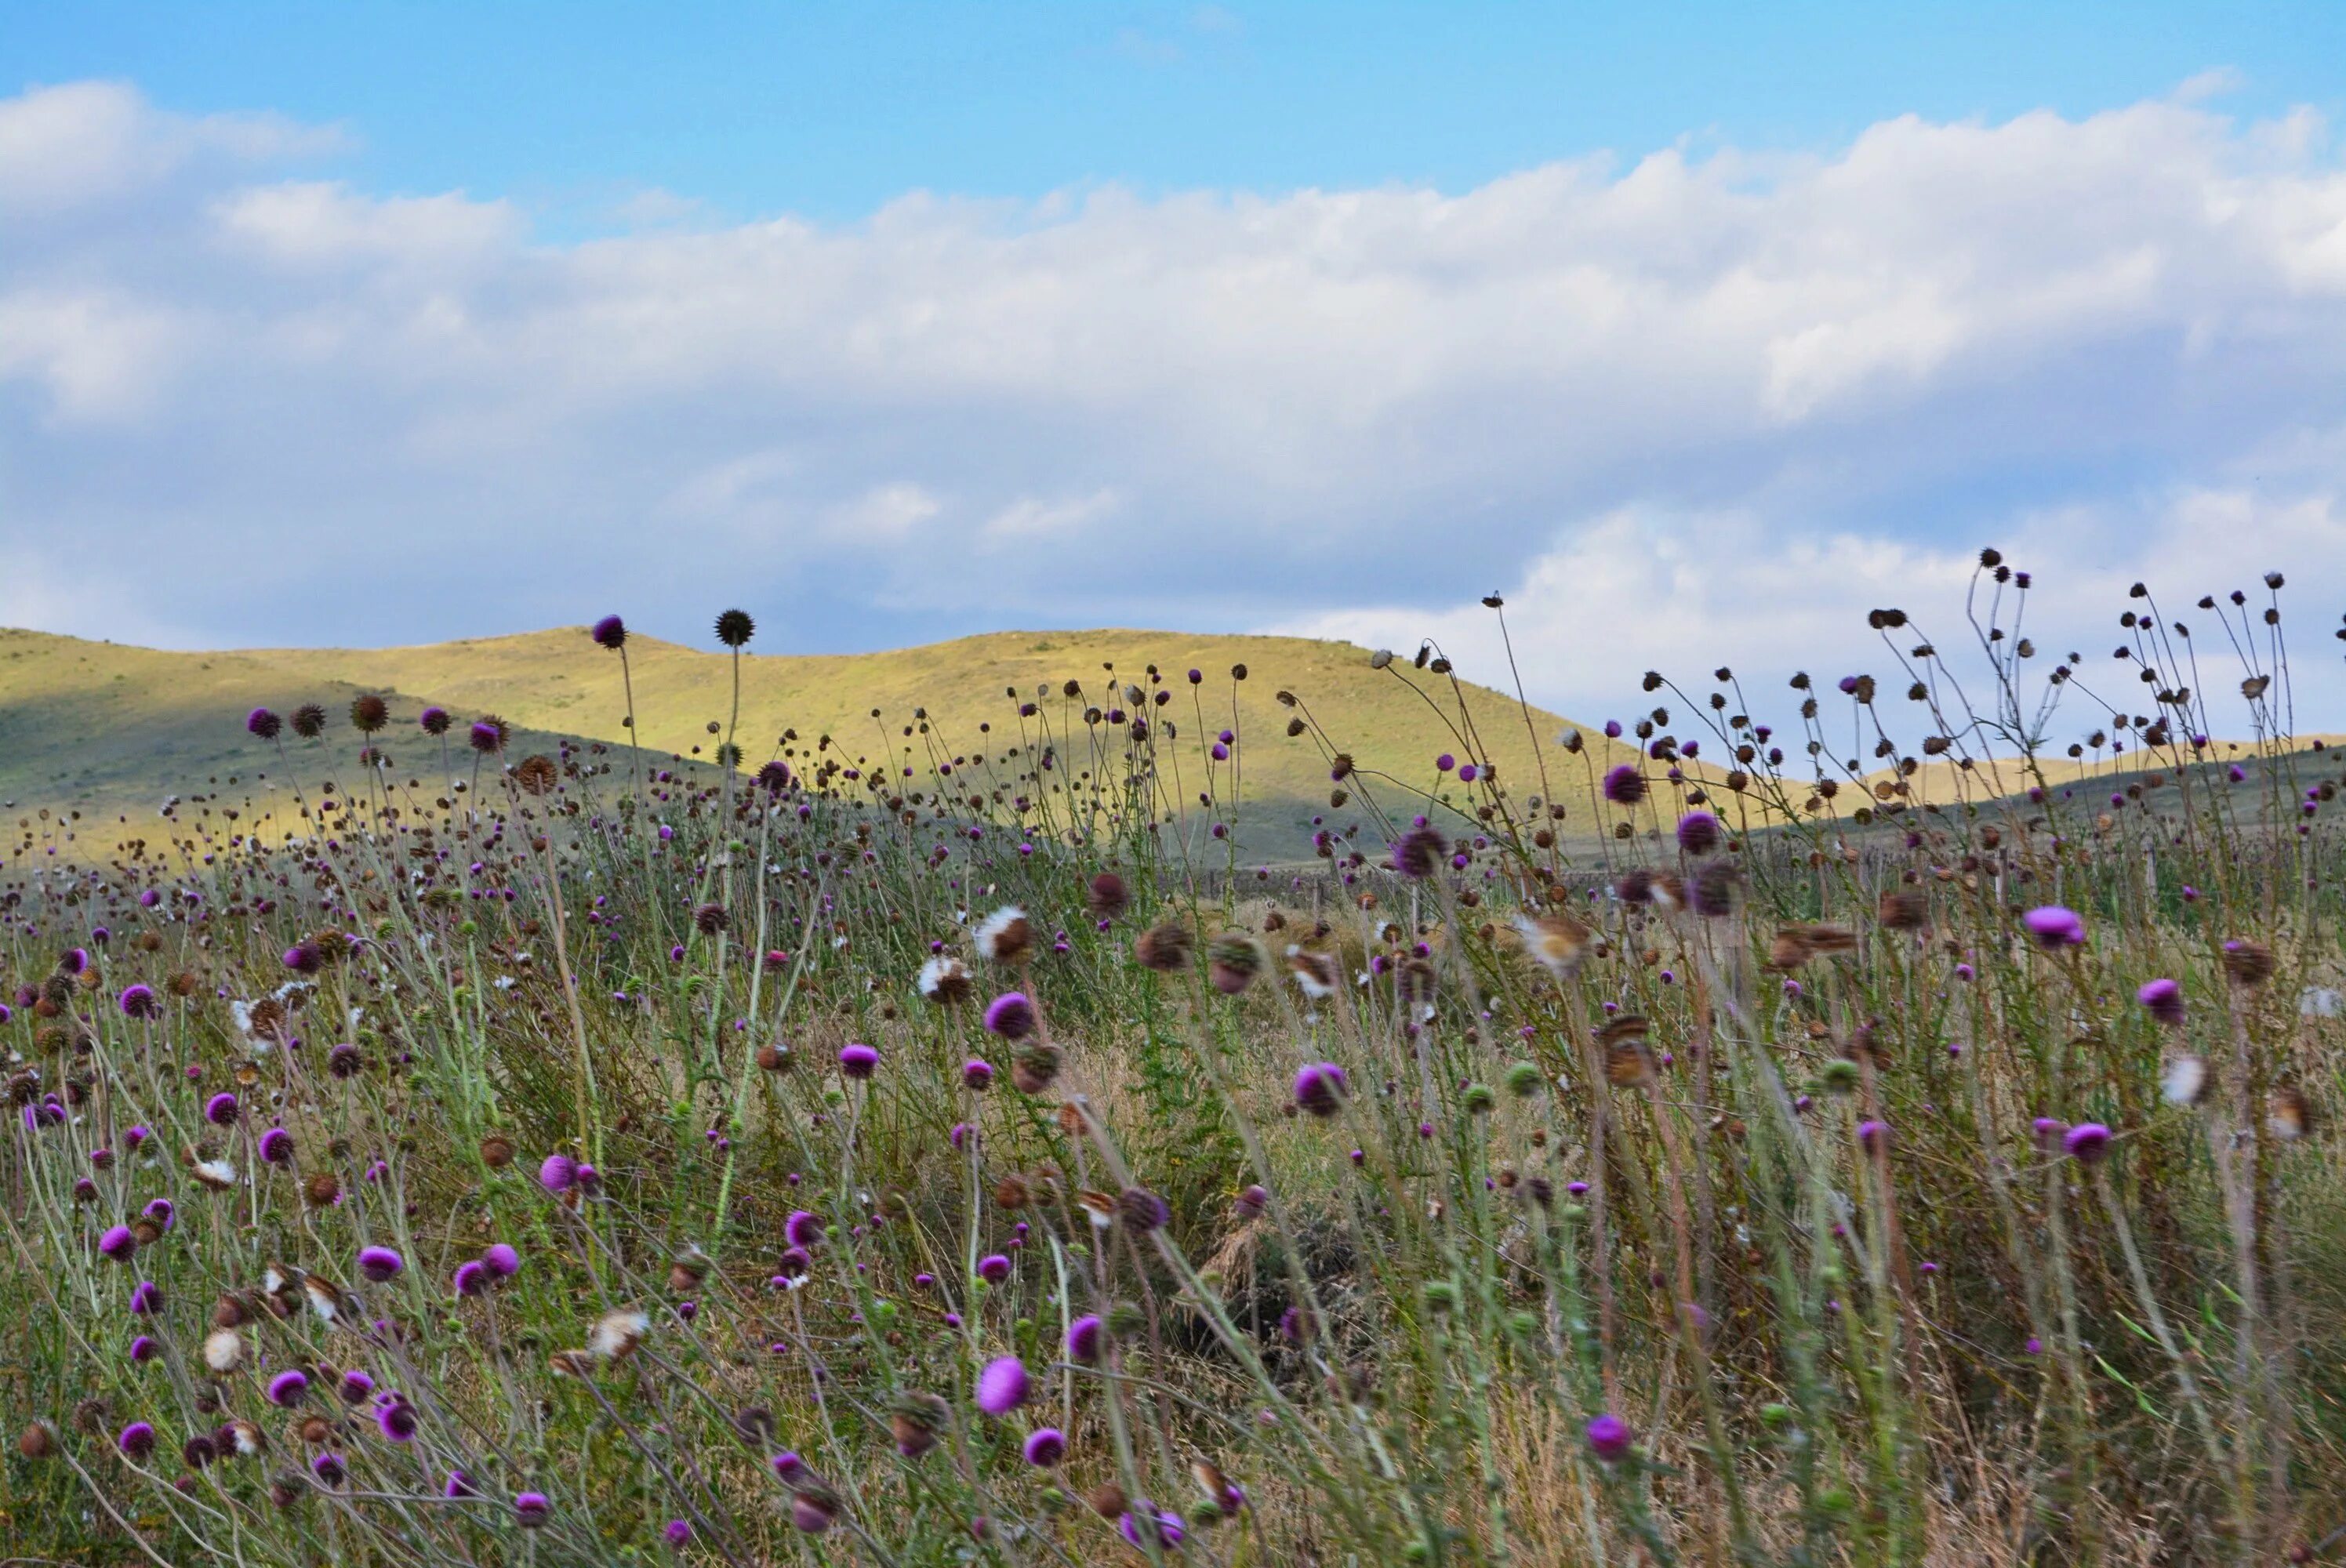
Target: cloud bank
(1681, 411)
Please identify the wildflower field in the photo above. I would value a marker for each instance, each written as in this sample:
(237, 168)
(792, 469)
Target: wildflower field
(1879, 1121)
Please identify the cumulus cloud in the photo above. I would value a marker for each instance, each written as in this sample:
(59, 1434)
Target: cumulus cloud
(1705, 406)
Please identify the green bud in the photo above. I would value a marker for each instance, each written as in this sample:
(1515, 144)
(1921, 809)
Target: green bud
(1775, 1413)
(1522, 1080)
(1441, 1295)
(1479, 1099)
(1125, 1319)
(1840, 1076)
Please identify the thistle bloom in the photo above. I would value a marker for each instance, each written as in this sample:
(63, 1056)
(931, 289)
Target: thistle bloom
(221, 1110)
(1084, 1337)
(471, 1278)
(140, 1001)
(1610, 1438)
(1699, 832)
(1046, 1447)
(2088, 1142)
(531, 1509)
(118, 1244)
(2054, 926)
(1623, 785)
(276, 1146)
(802, 1229)
(287, 1388)
(501, 1260)
(559, 1172)
(1002, 1385)
(993, 1268)
(1319, 1088)
(858, 1061)
(136, 1441)
(1010, 1015)
(610, 632)
(2163, 999)
(380, 1263)
(976, 1074)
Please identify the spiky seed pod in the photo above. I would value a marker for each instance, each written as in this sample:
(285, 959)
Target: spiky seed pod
(496, 1151)
(368, 713)
(776, 1057)
(1233, 960)
(1164, 947)
(2248, 964)
(38, 1441)
(1106, 896)
(322, 1190)
(1713, 894)
(536, 774)
(735, 628)
(610, 633)
(1902, 910)
(1035, 1067)
(308, 721)
(711, 919)
(916, 1422)
(1419, 854)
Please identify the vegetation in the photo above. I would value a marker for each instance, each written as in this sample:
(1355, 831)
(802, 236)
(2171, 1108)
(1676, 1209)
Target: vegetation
(1709, 1145)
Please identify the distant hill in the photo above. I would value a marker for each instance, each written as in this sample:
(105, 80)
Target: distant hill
(111, 729)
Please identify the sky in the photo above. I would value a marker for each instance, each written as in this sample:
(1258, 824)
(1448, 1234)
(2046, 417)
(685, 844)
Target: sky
(1694, 330)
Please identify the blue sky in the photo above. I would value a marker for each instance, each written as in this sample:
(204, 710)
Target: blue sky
(831, 110)
(1697, 331)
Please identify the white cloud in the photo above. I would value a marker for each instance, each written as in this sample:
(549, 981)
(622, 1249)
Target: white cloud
(1715, 403)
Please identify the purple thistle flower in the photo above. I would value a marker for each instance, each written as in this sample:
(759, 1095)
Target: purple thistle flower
(287, 1387)
(147, 1299)
(1010, 1015)
(802, 1229)
(221, 1110)
(276, 1146)
(1623, 785)
(117, 1243)
(1698, 833)
(472, 1278)
(531, 1509)
(501, 1260)
(858, 1061)
(1002, 1385)
(976, 1074)
(2088, 1142)
(136, 1441)
(1165, 1528)
(396, 1420)
(993, 1268)
(143, 1349)
(140, 1001)
(678, 1532)
(1319, 1088)
(2054, 926)
(559, 1172)
(1610, 1438)
(329, 1468)
(435, 721)
(380, 1263)
(1044, 1447)
(1084, 1339)
(610, 632)
(263, 724)
(1873, 1136)
(2163, 999)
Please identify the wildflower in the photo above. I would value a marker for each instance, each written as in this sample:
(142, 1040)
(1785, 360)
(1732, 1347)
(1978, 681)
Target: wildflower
(1164, 948)
(1085, 1336)
(1010, 1015)
(1044, 1447)
(916, 1421)
(2054, 927)
(223, 1351)
(1001, 1387)
(1623, 785)
(610, 632)
(812, 1515)
(616, 1334)
(1251, 1202)
(1315, 974)
(308, 721)
(2248, 964)
(276, 1148)
(1106, 896)
(216, 1175)
(2087, 1142)
(1005, 937)
(286, 1389)
(145, 1299)
(735, 628)
(532, 1510)
(263, 724)
(117, 1243)
(1321, 1088)
(487, 735)
(395, 1419)
(1698, 833)
(1149, 1522)
(944, 981)
(501, 1260)
(677, 1534)
(221, 1110)
(368, 713)
(1557, 943)
(1610, 1438)
(858, 1061)
(140, 1001)
(1143, 1210)
(380, 1263)
(136, 1441)
(976, 1074)
(2163, 999)
(558, 1172)
(1419, 854)
(1873, 1136)
(354, 1387)
(802, 1229)
(471, 1278)
(435, 721)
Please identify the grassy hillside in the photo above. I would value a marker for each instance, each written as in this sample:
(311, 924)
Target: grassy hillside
(110, 729)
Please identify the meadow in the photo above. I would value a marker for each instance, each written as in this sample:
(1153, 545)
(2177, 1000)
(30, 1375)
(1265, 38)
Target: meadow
(1879, 1121)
